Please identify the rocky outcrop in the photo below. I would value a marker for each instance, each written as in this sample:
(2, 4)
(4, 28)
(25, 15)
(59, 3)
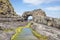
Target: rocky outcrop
(9, 20)
(49, 21)
(52, 33)
(7, 13)
(40, 17)
(44, 25)
(34, 13)
(6, 8)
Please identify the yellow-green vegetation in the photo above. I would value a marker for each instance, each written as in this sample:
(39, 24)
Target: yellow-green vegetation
(8, 30)
(19, 29)
(1, 10)
(40, 37)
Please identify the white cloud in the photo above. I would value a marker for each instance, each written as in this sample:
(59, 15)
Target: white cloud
(36, 2)
(55, 8)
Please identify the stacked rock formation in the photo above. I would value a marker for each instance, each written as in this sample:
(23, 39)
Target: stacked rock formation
(34, 13)
(40, 17)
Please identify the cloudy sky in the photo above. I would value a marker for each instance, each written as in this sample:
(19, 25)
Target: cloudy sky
(51, 7)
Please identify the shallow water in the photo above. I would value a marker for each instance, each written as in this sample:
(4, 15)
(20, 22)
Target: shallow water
(25, 34)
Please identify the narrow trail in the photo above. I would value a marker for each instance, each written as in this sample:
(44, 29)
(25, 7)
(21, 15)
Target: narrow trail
(19, 29)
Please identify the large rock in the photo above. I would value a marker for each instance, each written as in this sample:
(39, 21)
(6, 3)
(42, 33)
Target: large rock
(40, 17)
(34, 13)
(7, 12)
(6, 8)
(49, 21)
(51, 32)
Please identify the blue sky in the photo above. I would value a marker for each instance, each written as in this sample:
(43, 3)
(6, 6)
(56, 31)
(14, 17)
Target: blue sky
(51, 7)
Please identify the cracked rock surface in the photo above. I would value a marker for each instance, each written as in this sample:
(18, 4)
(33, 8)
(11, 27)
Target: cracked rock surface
(51, 32)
